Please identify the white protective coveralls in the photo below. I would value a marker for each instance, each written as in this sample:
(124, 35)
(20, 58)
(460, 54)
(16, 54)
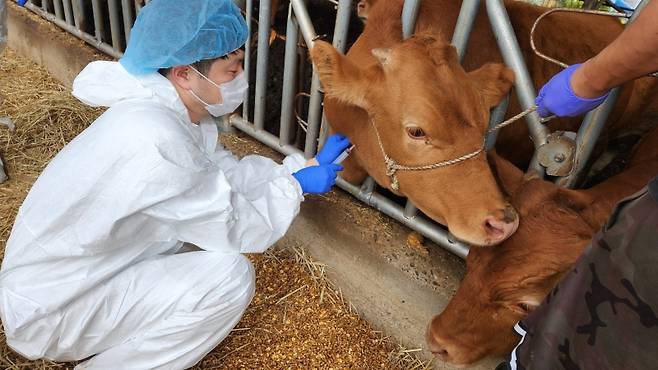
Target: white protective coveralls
(91, 265)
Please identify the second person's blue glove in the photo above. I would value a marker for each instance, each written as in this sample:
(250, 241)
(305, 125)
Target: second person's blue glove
(317, 179)
(332, 148)
(557, 97)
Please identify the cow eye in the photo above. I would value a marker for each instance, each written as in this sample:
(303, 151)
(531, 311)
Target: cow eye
(415, 132)
(524, 308)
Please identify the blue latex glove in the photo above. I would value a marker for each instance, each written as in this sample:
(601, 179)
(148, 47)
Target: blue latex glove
(317, 179)
(557, 97)
(21, 2)
(332, 148)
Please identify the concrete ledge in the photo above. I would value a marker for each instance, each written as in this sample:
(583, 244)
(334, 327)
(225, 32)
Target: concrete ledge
(62, 54)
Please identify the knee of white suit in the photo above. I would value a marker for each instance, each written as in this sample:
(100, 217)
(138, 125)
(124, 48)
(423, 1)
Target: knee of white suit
(206, 294)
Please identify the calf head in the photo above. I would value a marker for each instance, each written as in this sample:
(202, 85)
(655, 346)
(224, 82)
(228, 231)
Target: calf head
(427, 110)
(505, 283)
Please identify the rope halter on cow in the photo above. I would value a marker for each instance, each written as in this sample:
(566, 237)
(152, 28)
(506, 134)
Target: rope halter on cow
(570, 10)
(392, 166)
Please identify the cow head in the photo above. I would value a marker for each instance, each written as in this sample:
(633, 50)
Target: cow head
(503, 284)
(427, 109)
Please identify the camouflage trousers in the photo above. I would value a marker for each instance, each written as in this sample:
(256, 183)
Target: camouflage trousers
(603, 313)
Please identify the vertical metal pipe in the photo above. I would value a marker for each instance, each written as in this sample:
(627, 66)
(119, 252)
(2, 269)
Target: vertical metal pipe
(464, 26)
(74, 31)
(315, 104)
(591, 128)
(59, 11)
(368, 185)
(98, 19)
(247, 58)
(113, 7)
(409, 16)
(304, 20)
(261, 63)
(588, 135)
(509, 48)
(342, 25)
(289, 79)
(314, 116)
(410, 210)
(128, 17)
(78, 13)
(497, 116)
(68, 12)
(44, 5)
(340, 43)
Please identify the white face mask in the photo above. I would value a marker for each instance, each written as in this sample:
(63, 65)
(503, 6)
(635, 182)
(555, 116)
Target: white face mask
(232, 93)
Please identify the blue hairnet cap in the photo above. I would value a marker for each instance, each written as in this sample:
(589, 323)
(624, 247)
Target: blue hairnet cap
(170, 33)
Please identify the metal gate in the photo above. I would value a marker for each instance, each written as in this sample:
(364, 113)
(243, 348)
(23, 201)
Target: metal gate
(106, 25)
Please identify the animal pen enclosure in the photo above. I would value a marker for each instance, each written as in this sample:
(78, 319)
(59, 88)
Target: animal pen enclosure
(106, 25)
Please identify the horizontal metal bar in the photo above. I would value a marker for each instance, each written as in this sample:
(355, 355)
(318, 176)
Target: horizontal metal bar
(76, 32)
(261, 135)
(424, 226)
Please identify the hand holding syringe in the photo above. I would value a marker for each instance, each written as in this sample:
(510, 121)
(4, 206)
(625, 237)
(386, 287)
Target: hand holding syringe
(343, 155)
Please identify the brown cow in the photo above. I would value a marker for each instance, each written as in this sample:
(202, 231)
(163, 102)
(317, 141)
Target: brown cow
(428, 109)
(424, 83)
(503, 284)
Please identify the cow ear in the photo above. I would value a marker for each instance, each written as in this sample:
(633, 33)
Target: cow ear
(341, 79)
(493, 81)
(383, 56)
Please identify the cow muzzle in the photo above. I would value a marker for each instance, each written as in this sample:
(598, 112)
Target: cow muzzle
(500, 226)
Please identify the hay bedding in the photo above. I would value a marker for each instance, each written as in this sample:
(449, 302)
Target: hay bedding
(297, 320)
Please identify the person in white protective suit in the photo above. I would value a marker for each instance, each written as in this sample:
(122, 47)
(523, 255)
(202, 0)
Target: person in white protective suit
(97, 263)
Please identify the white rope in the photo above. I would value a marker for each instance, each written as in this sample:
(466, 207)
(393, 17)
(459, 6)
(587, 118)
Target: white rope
(392, 166)
(570, 10)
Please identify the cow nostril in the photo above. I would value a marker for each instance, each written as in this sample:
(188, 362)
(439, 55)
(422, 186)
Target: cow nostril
(441, 353)
(493, 227)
